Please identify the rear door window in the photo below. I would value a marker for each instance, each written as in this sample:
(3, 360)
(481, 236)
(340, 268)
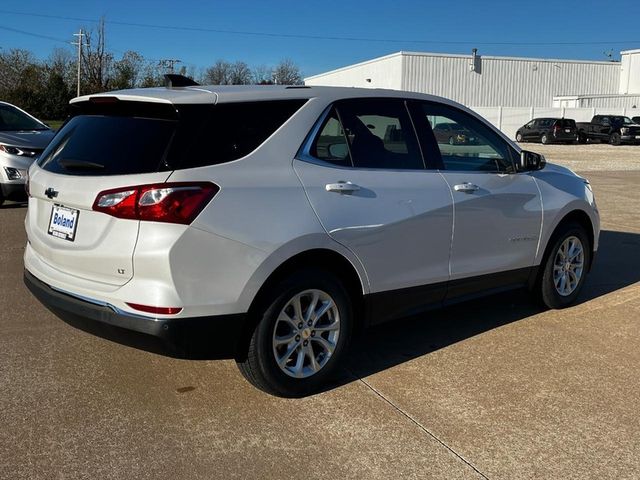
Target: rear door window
(380, 134)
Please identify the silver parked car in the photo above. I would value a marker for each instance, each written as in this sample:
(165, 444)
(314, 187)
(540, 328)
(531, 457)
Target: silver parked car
(267, 224)
(22, 138)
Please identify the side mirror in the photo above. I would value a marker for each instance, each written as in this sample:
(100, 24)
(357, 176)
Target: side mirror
(338, 150)
(530, 161)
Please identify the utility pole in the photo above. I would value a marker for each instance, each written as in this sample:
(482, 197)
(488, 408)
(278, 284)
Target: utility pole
(168, 63)
(80, 36)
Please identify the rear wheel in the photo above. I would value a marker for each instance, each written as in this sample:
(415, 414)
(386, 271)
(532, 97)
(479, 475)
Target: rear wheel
(565, 268)
(582, 138)
(304, 328)
(615, 139)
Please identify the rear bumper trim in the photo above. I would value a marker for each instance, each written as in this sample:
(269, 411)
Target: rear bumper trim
(193, 337)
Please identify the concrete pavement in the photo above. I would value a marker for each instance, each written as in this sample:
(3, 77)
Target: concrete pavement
(495, 388)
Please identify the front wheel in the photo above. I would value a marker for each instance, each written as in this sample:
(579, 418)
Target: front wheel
(518, 137)
(544, 139)
(303, 330)
(615, 139)
(565, 268)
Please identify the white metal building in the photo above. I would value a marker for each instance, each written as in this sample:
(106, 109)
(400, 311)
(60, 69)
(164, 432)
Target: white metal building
(487, 81)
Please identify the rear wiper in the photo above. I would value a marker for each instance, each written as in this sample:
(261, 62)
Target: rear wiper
(71, 164)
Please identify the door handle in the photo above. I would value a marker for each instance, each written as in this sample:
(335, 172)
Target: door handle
(466, 187)
(343, 187)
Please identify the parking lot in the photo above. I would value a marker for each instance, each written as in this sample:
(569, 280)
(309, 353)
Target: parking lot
(497, 388)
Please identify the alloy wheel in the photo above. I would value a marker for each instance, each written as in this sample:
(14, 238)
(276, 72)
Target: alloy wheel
(306, 333)
(568, 266)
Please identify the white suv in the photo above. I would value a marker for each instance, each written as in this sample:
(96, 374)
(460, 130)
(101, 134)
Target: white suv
(267, 224)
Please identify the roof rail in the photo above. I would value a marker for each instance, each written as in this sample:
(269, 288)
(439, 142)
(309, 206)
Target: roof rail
(173, 80)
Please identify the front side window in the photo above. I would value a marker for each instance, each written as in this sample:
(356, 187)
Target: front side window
(470, 145)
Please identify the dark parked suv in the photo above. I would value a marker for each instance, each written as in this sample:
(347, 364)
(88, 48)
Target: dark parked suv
(548, 130)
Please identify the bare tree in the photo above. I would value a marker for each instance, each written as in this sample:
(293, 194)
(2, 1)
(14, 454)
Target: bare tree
(218, 73)
(240, 74)
(96, 61)
(128, 71)
(12, 65)
(262, 75)
(287, 73)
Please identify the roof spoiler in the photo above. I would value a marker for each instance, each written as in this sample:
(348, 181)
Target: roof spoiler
(172, 80)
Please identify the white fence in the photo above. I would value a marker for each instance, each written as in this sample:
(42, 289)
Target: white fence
(509, 119)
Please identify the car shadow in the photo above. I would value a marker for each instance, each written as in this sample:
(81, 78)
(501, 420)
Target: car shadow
(616, 266)
(11, 204)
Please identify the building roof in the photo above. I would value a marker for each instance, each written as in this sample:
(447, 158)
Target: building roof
(465, 56)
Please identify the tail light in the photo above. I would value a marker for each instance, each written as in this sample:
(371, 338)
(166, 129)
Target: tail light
(154, 309)
(161, 202)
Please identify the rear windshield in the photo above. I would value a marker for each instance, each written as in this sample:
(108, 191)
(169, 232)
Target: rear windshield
(566, 123)
(120, 143)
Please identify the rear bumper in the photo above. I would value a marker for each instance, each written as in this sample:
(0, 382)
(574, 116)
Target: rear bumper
(13, 191)
(192, 337)
(564, 137)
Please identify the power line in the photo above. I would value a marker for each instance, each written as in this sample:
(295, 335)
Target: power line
(59, 40)
(37, 35)
(314, 37)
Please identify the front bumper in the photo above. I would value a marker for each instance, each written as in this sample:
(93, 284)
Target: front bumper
(193, 337)
(631, 139)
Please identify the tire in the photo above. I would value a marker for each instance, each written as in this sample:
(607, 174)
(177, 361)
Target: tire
(1, 198)
(614, 139)
(518, 137)
(582, 138)
(554, 292)
(544, 139)
(300, 374)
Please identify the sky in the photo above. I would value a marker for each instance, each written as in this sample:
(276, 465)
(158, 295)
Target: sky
(323, 35)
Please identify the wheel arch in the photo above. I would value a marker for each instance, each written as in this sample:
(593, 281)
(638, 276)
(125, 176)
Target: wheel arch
(580, 217)
(323, 258)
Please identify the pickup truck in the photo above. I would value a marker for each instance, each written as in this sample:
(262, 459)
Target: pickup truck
(614, 129)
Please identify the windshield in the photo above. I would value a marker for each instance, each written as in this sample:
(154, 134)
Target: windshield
(12, 119)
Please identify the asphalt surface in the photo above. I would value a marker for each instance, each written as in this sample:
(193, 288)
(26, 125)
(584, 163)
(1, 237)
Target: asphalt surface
(496, 388)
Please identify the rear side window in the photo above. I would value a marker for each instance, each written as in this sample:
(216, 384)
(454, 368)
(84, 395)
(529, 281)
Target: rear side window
(226, 132)
(118, 142)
